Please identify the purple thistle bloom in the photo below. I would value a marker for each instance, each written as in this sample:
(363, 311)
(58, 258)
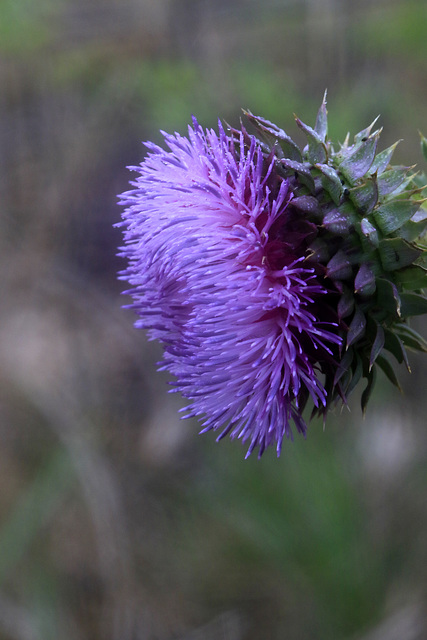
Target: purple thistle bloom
(217, 261)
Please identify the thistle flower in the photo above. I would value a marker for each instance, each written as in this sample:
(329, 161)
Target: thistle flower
(273, 276)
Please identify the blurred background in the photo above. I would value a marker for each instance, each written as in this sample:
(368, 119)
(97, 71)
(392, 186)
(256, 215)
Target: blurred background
(117, 521)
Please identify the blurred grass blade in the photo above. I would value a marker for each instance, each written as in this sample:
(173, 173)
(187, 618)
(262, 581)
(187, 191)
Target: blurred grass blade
(34, 509)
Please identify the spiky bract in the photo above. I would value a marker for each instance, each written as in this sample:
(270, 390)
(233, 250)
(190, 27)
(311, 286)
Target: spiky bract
(370, 243)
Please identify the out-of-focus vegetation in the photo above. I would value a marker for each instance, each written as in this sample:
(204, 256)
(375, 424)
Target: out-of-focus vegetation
(117, 522)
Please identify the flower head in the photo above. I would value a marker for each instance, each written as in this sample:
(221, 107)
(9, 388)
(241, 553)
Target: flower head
(271, 276)
(216, 259)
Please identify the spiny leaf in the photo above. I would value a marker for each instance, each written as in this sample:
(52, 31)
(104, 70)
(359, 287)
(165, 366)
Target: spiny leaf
(357, 367)
(386, 367)
(303, 171)
(273, 134)
(319, 251)
(316, 147)
(360, 160)
(377, 345)
(346, 142)
(331, 182)
(388, 298)
(382, 159)
(321, 126)
(417, 225)
(389, 181)
(390, 216)
(411, 338)
(307, 204)
(421, 214)
(357, 327)
(364, 282)
(345, 304)
(420, 182)
(371, 377)
(412, 277)
(422, 260)
(337, 222)
(343, 366)
(394, 345)
(396, 253)
(343, 384)
(413, 230)
(365, 196)
(413, 304)
(365, 133)
(369, 232)
(339, 267)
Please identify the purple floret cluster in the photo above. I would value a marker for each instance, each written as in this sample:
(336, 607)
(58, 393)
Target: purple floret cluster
(217, 263)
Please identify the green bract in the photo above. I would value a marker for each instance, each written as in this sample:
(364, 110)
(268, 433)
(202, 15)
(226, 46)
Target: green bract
(370, 218)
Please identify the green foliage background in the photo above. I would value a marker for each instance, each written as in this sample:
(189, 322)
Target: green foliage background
(116, 520)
